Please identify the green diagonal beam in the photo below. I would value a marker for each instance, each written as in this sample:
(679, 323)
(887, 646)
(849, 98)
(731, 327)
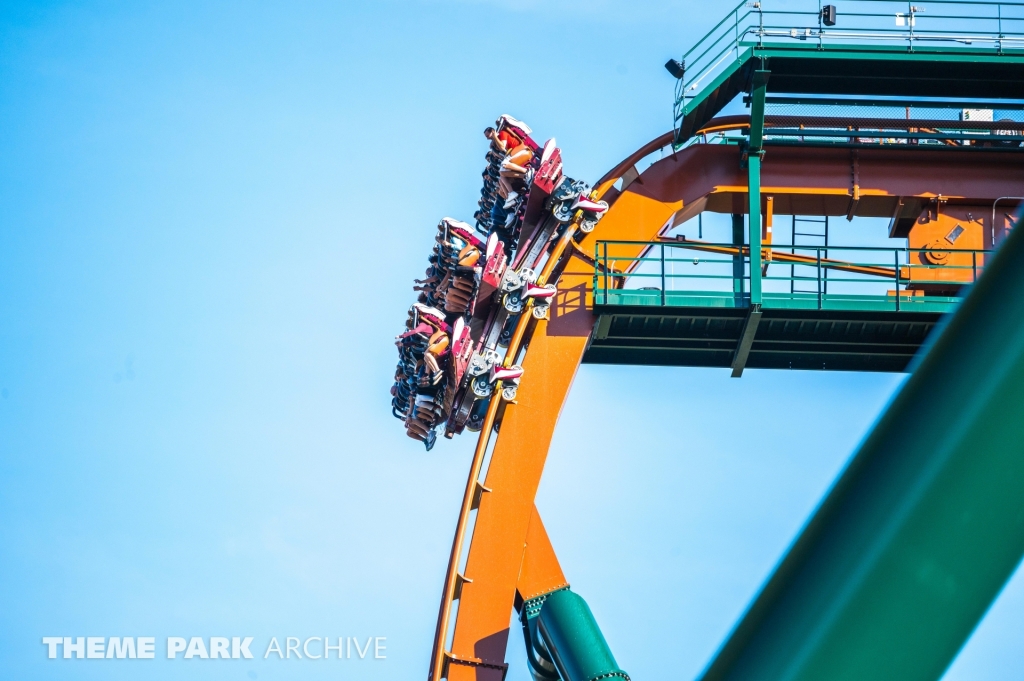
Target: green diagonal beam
(923, 528)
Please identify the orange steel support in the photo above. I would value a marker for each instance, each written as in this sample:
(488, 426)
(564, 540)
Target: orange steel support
(540, 572)
(810, 181)
(503, 518)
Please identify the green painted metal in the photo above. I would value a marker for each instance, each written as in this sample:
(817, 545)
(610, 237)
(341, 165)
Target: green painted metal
(687, 285)
(884, 52)
(868, 70)
(739, 275)
(923, 528)
(572, 637)
(891, 102)
(539, 659)
(779, 301)
(833, 340)
(809, 58)
(711, 99)
(754, 154)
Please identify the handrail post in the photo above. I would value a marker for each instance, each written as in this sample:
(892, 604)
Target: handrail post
(760, 25)
(605, 272)
(818, 252)
(896, 259)
(663, 274)
(910, 20)
(821, 26)
(736, 29)
(999, 43)
(974, 266)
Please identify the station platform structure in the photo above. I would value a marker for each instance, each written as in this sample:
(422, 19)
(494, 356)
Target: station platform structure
(834, 101)
(679, 313)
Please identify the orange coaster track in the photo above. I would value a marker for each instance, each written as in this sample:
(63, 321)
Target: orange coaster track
(507, 558)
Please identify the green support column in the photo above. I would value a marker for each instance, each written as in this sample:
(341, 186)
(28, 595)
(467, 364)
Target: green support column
(738, 284)
(754, 154)
(925, 525)
(574, 641)
(754, 227)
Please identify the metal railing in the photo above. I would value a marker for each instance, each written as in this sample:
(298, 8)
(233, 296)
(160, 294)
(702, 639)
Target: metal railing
(848, 130)
(809, 277)
(996, 25)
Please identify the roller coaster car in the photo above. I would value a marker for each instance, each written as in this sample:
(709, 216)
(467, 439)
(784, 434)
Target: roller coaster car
(462, 350)
(509, 128)
(462, 231)
(484, 384)
(542, 297)
(592, 212)
(454, 277)
(549, 173)
(519, 287)
(494, 267)
(431, 316)
(574, 195)
(517, 162)
(472, 297)
(504, 136)
(545, 179)
(461, 415)
(512, 162)
(421, 395)
(475, 422)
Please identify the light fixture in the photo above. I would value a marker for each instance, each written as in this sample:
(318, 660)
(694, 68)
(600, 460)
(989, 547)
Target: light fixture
(676, 68)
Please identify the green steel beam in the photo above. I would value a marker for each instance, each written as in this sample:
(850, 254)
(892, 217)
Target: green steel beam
(719, 80)
(754, 153)
(896, 102)
(872, 70)
(887, 70)
(924, 526)
(887, 51)
(746, 341)
(738, 271)
(542, 668)
(574, 641)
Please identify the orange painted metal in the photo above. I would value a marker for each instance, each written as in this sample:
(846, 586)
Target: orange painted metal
(540, 572)
(808, 181)
(503, 518)
(819, 181)
(453, 580)
(944, 230)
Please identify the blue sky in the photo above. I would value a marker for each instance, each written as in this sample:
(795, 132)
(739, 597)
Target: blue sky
(210, 217)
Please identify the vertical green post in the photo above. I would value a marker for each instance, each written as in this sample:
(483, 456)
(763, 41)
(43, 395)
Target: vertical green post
(754, 226)
(737, 260)
(754, 154)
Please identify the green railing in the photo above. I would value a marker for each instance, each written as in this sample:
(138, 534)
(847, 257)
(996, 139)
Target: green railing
(849, 131)
(699, 274)
(995, 25)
